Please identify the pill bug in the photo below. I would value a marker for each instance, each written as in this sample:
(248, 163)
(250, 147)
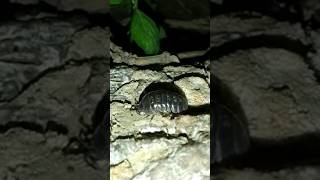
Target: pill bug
(231, 137)
(164, 100)
(99, 142)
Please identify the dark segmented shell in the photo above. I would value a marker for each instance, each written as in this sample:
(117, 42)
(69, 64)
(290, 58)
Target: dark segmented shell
(163, 101)
(231, 136)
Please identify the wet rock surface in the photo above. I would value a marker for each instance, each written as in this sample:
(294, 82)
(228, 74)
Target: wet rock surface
(93, 6)
(55, 61)
(268, 60)
(30, 48)
(51, 83)
(148, 146)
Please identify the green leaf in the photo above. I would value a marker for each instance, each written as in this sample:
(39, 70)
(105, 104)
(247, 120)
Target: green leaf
(145, 33)
(114, 2)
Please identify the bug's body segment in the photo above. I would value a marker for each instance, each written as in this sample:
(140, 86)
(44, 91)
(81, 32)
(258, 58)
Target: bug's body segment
(163, 101)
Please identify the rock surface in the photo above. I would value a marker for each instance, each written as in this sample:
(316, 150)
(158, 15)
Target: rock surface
(92, 6)
(147, 146)
(270, 65)
(52, 81)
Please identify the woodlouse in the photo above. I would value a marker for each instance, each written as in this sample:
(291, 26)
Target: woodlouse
(163, 101)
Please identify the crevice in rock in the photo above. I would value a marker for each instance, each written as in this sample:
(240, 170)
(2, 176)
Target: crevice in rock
(197, 110)
(32, 126)
(32, 82)
(54, 126)
(267, 41)
(121, 86)
(160, 67)
(22, 124)
(10, 10)
(190, 75)
(152, 136)
(44, 73)
(153, 67)
(159, 134)
(261, 41)
(273, 155)
(120, 101)
(266, 7)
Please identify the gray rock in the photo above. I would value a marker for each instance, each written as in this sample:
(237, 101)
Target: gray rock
(93, 6)
(310, 10)
(89, 43)
(271, 67)
(226, 28)
(181, 161)
(37, 156)
(55, 95)
(315, 56)
(276, 90)
(30, 48)
(146, 146)
(308, 172)
(47, 88)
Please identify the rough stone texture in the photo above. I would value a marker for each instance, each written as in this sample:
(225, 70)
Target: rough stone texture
(297, 173)
(310, 9)
(37, 156)
(57, 99)
(52, 80)
(147, 146)
(92, 6)
(276, 90)
(271, 66)
(89, 43)
(31, 48)
(181, 162)
(195, 91)
(226, 28)
(315, 56)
